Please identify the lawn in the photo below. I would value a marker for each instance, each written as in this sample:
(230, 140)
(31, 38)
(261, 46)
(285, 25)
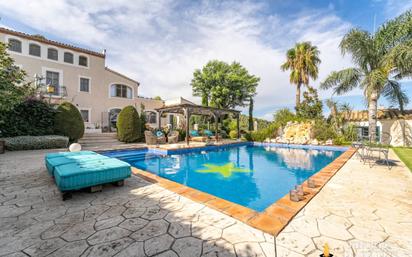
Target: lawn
(405, 154)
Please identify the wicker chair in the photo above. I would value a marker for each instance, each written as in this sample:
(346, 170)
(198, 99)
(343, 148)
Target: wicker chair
(150, 138)
(173, 137)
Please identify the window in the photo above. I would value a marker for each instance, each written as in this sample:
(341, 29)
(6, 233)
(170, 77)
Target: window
(363, 133)
(68, 57)
(52, 54)
(85, 115)
(83, 61)
(52, 79)
(15, 45)
(118, 90)
(84, 85)
(34, 50)
(151, 117)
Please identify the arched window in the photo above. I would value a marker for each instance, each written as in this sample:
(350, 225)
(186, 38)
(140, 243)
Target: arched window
(119, 90)
(34, 50)
(52, 54)
(83, 60)
(68, 57)
(150, 117)
(15, 45)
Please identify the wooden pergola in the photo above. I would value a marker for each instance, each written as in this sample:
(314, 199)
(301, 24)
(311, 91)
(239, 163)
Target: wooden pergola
(187, 110)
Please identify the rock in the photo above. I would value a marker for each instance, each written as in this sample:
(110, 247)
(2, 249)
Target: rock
(329, 142)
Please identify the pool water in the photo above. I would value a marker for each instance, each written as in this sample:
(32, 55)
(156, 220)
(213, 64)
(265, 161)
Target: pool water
(252, 176)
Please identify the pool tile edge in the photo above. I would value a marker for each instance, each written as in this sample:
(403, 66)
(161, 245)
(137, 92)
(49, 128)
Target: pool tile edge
(275, 217)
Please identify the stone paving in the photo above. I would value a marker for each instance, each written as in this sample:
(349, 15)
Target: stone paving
(362, 211)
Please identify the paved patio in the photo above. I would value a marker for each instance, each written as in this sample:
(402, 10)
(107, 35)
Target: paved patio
(362, 211)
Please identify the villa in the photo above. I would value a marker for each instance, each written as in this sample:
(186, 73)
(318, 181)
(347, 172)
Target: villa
(146, 177)
(391, 121)
(80, 76)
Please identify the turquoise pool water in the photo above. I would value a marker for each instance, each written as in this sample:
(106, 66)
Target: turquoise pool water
(249, 175)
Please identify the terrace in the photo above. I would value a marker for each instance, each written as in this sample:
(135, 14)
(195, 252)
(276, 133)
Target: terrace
(354, 213)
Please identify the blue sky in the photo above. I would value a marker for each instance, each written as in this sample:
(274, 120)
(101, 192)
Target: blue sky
(161, 42)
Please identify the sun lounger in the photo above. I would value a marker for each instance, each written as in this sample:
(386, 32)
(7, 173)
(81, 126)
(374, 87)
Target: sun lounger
(85, 170)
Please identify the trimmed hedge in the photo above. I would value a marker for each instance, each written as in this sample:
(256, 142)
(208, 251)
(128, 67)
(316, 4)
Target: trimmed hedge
(69, 122)
(32, 117)
(128, 125)
(35, 142)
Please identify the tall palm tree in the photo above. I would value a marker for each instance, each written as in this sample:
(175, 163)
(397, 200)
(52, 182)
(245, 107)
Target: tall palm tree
(381, 59)
(303, 61)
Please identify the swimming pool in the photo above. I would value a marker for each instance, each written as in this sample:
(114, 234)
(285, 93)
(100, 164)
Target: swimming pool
(254, 176)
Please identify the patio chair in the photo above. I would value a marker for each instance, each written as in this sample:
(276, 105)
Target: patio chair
(173, 137)
(381, 149)
(150, 138)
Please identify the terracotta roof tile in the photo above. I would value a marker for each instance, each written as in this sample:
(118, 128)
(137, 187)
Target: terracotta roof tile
(382, 114)
(50, 42)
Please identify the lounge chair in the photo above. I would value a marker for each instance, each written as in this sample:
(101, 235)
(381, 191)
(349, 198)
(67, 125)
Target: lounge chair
(196, 137)
(85, 170)
(173, 137)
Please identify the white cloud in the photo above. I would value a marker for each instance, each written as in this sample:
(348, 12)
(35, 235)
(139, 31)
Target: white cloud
(161, 42)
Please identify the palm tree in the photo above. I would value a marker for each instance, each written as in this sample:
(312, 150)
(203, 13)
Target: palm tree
(381, 59)
(303, 61)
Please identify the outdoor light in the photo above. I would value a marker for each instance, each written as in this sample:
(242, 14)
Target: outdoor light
(326, 252)
(50, 89)
(294, 197)
(311, 183)
(299, 190)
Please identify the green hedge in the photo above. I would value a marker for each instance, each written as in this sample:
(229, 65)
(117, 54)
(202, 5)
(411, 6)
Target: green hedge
(32, 117)
(35, 142)
(69, 122)
(128, 125)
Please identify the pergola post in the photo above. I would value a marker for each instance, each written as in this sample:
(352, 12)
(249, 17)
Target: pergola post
(216, 116)
(238, 126)
(187, 117)
(159, 120)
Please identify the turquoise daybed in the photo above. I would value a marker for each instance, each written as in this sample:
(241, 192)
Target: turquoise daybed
(84, 169)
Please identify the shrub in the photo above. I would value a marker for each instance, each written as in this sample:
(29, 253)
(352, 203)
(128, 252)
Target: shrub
(128, 125)
(31, 117)
(323, 131)
(248, 136)
(35, 142)
(69, 122)
(262, 134)
(233, 134)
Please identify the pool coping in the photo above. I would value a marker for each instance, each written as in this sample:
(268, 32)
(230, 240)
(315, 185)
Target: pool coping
(275, 217)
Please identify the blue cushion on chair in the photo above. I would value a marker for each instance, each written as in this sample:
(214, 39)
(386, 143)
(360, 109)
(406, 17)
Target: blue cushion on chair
(159, 133)
(208, 133)
(194, 133)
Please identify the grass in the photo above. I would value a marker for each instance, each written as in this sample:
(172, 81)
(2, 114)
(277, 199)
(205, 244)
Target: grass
(405, 154)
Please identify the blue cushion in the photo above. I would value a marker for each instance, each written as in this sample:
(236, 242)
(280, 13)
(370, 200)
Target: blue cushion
(52, 163)
(78, 175)
(159, 133)
(54, 159)
(208, 133)
(60, 154)
(194, 133)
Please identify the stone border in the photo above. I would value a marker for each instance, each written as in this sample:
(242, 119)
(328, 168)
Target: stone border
(275, 217)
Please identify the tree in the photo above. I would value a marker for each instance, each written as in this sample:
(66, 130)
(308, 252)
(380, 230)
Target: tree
(224, 85)
(302, 61)
(251, 114)
(128, 125)
(12, 91)
(381, 59)
(311, 106)
(69, 122)
(157, 98)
